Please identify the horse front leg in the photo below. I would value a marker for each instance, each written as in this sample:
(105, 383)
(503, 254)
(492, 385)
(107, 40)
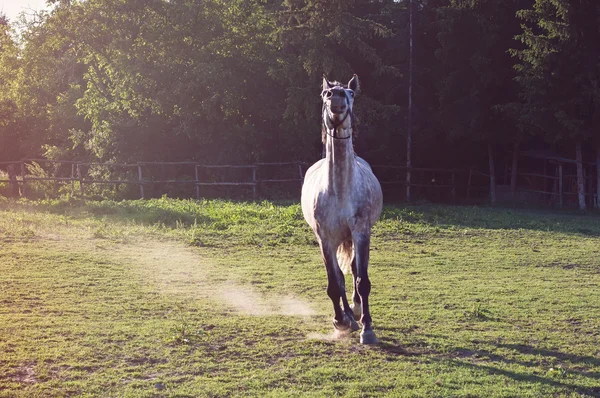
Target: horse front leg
(348, 309)
(336, 291)
(362, 243)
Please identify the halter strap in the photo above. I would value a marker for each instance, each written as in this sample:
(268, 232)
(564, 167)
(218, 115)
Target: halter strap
(338, 124)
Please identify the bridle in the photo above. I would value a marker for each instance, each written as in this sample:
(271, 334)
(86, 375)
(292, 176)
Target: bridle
(338, 124)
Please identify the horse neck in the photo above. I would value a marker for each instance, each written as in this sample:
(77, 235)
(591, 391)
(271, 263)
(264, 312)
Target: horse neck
(340, 160)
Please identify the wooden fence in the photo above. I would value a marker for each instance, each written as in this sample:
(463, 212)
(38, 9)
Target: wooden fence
(558, 190)
(430, 179)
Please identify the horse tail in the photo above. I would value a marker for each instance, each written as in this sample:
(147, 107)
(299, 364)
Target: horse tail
(345, 253)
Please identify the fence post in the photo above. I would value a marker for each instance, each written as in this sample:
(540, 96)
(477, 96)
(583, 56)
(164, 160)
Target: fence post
(197, 183)
(80, 178)
(140, 179)
(23, 189)
(454, 186)
(591, 189)
(56, 184)
(254, 190)
(469, 184)
(560, 185)
(12, 176)
(72, 178)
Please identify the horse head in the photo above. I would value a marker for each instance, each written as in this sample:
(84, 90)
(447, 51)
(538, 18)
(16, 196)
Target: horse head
(338, 101)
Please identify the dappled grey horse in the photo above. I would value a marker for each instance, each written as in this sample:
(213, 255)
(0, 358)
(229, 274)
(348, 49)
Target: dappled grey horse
(341, 200)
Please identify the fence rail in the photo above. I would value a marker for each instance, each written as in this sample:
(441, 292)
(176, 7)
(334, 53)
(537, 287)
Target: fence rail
(261, 179)
(77, 172)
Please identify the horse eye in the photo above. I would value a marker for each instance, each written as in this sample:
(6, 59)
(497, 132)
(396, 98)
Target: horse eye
(327, 94)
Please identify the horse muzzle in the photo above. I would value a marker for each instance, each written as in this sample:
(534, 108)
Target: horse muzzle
(338, 109)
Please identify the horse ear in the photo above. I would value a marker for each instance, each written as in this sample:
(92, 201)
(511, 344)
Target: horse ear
(353, 83)
(326, 84)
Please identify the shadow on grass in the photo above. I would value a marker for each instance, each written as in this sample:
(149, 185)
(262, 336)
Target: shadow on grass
(476, 360)
(396, 349)
(574, 359)
(532, 378)
(568, 379)
(188, 212)
(143, 211)
(569, 222)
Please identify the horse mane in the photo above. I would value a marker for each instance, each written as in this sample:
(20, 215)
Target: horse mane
(353, 118)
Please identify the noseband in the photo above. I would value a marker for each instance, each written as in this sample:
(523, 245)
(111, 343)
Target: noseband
(338, 124)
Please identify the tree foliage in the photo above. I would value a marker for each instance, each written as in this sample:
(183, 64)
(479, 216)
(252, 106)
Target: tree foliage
(559, 68)
(238, 81)
(10, 127)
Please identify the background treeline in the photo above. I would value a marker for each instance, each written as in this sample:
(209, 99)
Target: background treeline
(238, 81)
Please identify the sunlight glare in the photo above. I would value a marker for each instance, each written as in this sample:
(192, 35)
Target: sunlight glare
(12, 8)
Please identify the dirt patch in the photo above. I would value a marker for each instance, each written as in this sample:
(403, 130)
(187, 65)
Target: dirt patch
(25, 374)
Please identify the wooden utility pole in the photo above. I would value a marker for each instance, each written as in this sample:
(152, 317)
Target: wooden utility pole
(410, 108)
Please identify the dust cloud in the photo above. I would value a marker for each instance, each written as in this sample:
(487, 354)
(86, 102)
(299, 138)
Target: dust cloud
(336, 335)
(246, 300)
(175, 269)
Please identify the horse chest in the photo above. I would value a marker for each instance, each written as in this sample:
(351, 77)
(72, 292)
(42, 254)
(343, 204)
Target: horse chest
(334, 216)
(337, 209)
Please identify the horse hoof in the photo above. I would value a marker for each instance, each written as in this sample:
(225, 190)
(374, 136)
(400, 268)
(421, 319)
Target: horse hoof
(368, 337)
(348, 325)
(356, 310)
(340, 326)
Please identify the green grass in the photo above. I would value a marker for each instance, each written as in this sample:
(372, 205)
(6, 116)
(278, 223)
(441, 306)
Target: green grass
(213, 298)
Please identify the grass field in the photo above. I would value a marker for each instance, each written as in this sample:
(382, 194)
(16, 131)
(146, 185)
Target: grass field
(185, 298)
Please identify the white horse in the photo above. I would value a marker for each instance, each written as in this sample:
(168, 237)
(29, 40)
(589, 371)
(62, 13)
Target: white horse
(341, 200)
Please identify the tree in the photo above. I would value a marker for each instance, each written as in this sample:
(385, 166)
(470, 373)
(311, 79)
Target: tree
(559, 73)
(9, 69)
(336, 38)
(475, 72)
(46, 85)
(159, 80)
